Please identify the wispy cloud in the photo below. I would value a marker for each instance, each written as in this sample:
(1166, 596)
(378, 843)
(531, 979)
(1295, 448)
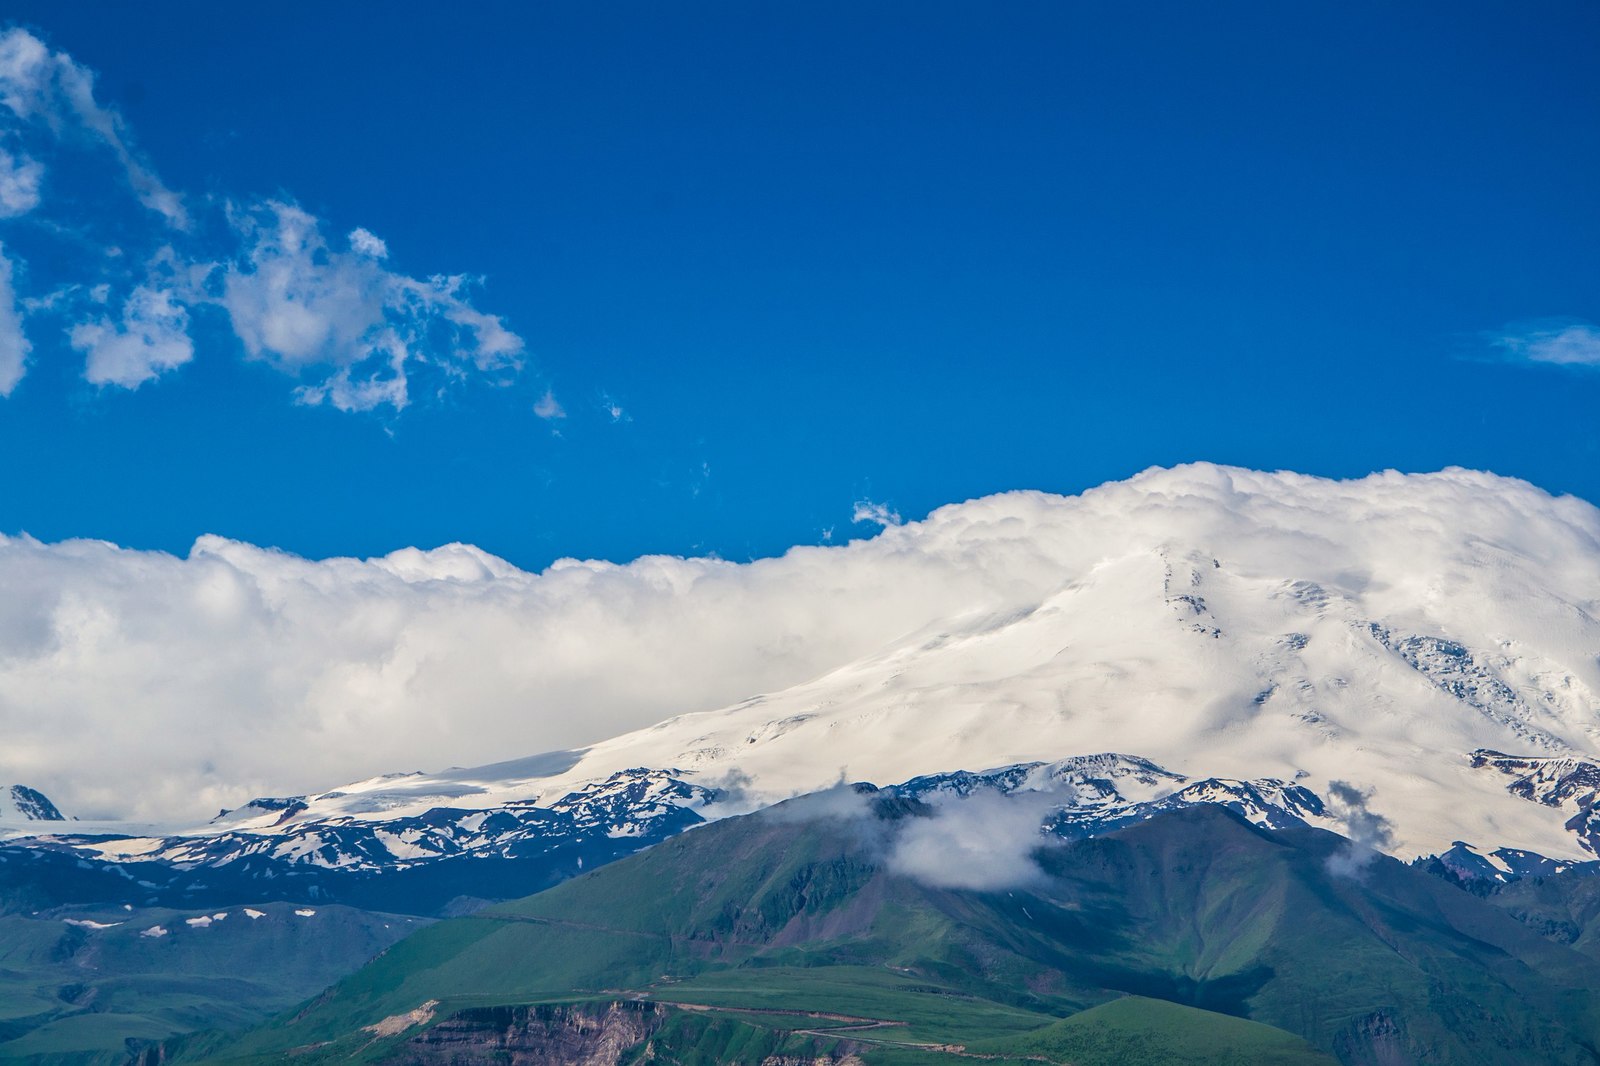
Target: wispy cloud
(51, 91)
(14, 346)
(613, 409)
(151, 338)
(354, 331)
(1368, 831)
(548, 407)
(880, 513)
(19, 184)
(1570, 342)
(358, 328)
(364, 242)
(985, 841)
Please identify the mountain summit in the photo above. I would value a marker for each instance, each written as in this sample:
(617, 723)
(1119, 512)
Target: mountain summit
(19, 803)
(1375, 638)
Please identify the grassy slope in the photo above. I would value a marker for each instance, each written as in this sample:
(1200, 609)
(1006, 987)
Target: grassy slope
(70, 990)
(1194, 908)
(1134, 1031)
(1564, 907)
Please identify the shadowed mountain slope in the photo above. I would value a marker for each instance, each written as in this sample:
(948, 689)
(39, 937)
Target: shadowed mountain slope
(810, 908)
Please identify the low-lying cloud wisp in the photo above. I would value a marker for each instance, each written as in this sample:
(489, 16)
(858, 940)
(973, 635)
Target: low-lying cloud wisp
(1369, 833)
(984, 841)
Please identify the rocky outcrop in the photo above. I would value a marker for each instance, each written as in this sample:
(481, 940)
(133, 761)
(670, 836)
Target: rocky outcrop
(590, 1035)
(1569, 783)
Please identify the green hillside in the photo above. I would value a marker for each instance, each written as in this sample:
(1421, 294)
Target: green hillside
(1135, 1031)
(93, 986)
(769, 921)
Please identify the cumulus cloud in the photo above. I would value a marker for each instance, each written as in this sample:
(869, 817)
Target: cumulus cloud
(153, 684)
(306, 307)
(364, 242)
(355, 332)
(50, 89)
(984, 841)
(294, 301)
(19, 184)
(1568, 343)
(14, 346)
(152, 337)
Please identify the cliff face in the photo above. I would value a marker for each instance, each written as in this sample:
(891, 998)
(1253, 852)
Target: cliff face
(610, 1035)
(534, 1036)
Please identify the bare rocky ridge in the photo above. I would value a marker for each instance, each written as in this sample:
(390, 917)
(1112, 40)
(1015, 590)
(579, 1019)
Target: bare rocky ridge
(1568, 783)
(24, 804)
(534, 1036)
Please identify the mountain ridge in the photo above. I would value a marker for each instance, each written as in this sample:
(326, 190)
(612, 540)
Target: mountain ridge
(809, 906)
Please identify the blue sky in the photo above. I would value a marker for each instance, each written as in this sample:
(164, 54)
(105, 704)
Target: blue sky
(774, 260)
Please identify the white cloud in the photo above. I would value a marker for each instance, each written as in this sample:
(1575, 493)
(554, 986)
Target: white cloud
(358, 329)
(152, 338)
(49, 88)
(878, 513)
(377, 381)
(549, 407)
(14, 346)
(294, 301)
(363, 242)
(613, 409)
(983, 842)
(19, 184)
(1575, 344)
(152, 684)
(355, 333)
(1366, 831)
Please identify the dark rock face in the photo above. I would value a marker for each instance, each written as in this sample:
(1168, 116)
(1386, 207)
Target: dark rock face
(1474, 870)
(1377, 1039)
(534, 1036)
(35, 805)
(1568, 782)
(1090, 803)
(435, 863)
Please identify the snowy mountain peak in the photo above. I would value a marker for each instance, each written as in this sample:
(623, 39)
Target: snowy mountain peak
(19, 803)
(1221, 623)
(1501, 866)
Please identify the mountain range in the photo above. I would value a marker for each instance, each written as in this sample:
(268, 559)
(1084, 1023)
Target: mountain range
(848, 926)
(1408, 662)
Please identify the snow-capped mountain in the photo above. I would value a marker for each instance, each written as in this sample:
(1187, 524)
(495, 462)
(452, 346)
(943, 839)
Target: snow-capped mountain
(1088, 795)
(627, 810)
(378, 851)
(1501, 866)
(24, 805)
(1379, 633)
(1413, 653)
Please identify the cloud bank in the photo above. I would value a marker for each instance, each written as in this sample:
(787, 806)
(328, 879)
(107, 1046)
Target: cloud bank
(354, 332)
(149, 684)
